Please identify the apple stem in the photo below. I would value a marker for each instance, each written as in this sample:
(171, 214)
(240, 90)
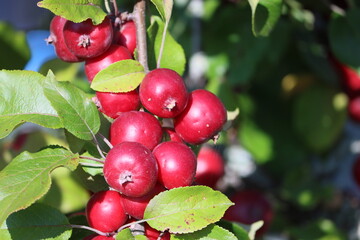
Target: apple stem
(91, 164)
(106, 140)
(93, 159)
(91, 229)
(141, 44)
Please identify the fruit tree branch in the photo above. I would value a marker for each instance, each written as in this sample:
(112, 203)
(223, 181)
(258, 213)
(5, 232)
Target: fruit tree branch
(141, 45)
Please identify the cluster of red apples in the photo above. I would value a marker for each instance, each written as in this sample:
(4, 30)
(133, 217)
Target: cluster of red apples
(147, 156)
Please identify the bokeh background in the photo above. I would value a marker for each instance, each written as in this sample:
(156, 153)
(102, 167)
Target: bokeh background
(294, 139)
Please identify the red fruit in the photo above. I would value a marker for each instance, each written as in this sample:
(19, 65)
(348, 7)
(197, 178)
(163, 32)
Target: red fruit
(136, 126)
(135, 207)
(176, 163)
(356, 171)
(86, 40)
(114, 54)
(250, 206)
(113, 104)
(104, 211)
(350, 79)
(354, 108)
(98, 237)
(210, 167)
(203, 117)
(153, 234)
(126, 36)
(131, 169)
(163, 93)
(57, 39)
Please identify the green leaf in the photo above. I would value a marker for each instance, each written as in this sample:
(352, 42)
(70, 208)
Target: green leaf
(92, 170)
(173, 56)
(344, 35)
(27, 178)
(37, 222)
(76, 10)
(164, 8)
(186, 209)
(121, 76)
(235, 228)
(77, 111)
(258, 142)
(211, 232)
(319, 115)
(125, 234)
(69, 194)
(265, 14)
(22, 100)
(14, 46)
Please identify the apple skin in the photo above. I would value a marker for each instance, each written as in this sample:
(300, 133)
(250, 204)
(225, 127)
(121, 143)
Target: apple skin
(210, 166)
(202, 119)
(114, 54)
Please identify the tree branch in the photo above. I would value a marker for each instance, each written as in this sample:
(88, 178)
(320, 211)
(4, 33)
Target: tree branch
(141, 44)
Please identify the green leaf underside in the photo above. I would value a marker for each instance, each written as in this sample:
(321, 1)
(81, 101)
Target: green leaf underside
(27, 178)
(121, 76)
(76, 10)
(173, 56)
(164, 8)
(186, 209)
(22, 100)
(77, 111)
(93, 171)
(211, 232)
(39, 221)
(263, 21)
(125, 235)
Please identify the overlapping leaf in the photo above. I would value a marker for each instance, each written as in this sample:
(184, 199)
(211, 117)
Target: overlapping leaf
(173, 55)
(37, 222)
(22, 100)
(213, 232)
(121, 76)
(78, 113)
(265, 14)
(27, 178)
(76, 10)
(186, 209)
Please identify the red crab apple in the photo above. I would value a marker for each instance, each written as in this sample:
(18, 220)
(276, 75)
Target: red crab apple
(131, 169)
(113, 104)
(163, 93)
(114, 54)
(126, 36)
(250, 206)
(56, 38)
(354, 109)
(135, 207)
(202, 119)
(176, 163)
(350, 78)
(105, 212)
(153, 234)
(210, 166)
(98, 237)
(136, 126)
(86, 40)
